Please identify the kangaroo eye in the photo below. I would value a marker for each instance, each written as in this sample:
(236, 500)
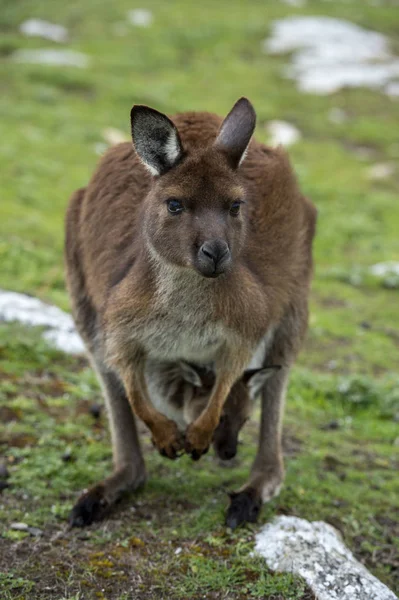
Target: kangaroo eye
(235, 208)
(174, 206)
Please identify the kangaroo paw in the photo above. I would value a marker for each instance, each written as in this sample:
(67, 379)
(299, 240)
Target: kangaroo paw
(197, 441)
(168, 439)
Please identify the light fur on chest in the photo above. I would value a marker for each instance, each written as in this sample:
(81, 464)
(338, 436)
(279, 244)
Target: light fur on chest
(180, 325)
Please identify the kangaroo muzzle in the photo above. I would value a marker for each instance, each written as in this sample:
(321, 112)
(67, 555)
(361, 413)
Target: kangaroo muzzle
(213, 258)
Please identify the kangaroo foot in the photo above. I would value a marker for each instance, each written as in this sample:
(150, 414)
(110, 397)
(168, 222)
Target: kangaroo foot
(244, 508)
(91, 506)
(97, 501)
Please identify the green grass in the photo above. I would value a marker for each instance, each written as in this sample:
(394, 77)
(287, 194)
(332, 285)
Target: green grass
(345, 475)
(204, 57)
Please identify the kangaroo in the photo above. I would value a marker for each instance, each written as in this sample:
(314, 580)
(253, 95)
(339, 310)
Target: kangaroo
(181, 392)
(193, 244)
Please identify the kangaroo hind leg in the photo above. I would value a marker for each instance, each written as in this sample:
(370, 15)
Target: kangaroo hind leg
(129, 470)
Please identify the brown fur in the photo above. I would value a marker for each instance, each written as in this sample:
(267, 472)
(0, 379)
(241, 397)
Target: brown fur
(130, 265)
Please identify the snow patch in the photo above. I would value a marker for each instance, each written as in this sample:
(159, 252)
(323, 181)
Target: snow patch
(44, 29)
(331, 54)
(48, 56)
(283, 133)
(60, 329)
(141, 17)
(316, 552)
(114, 136)
(383, 269)
(380, 171)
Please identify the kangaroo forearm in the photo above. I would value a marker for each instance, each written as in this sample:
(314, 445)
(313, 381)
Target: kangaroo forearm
(138, 397)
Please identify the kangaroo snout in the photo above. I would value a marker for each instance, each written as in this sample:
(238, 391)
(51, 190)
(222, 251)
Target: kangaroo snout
(213, 258)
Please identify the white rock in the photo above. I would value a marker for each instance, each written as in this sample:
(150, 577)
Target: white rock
(140, 17)
(316, 552)
(114, 136)
(19, 526)
(44, 29)
(67, 341)
(296, 33)
(60, 328)
(330, 54)
(383, 269)
(283, 133)
(48, 56)
(380, 171)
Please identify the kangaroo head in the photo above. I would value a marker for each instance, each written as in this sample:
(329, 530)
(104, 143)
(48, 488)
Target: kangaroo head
(194, 215)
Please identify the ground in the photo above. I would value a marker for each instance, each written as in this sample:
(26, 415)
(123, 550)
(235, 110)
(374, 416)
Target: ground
(341, 426)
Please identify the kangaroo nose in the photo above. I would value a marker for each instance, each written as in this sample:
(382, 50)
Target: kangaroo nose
(214, 257)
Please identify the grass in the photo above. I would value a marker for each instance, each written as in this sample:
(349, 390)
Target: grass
(342, 449)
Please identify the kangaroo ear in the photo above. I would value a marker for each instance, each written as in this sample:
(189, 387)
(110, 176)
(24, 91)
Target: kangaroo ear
(256, 379)
(190, 374)
(155, 139)
(236, 132)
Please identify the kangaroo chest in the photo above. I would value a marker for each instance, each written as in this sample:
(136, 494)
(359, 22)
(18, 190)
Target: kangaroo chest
(180, 325)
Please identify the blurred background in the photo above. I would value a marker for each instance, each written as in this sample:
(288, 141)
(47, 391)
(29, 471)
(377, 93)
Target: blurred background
(324, 79)
(326, 70)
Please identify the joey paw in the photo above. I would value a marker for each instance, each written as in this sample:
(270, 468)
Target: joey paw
(197, 442)
(169, 440)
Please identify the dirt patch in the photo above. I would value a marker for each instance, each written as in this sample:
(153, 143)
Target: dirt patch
(144, 567)
(9, 414)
